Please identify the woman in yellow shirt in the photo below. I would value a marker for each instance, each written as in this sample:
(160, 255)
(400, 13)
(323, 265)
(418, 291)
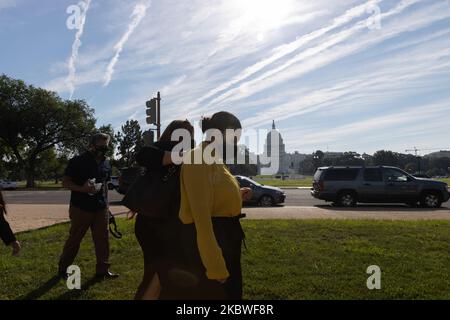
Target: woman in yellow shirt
(211, 203)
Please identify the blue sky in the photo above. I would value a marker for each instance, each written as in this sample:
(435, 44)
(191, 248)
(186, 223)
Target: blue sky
(337, 75)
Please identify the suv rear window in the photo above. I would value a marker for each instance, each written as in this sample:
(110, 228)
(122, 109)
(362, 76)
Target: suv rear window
(341, 174)
(318, 174)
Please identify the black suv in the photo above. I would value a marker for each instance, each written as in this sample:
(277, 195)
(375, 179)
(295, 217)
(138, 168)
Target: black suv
(346, 186)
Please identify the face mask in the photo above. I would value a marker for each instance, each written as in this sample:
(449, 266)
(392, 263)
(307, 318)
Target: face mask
(101, 150)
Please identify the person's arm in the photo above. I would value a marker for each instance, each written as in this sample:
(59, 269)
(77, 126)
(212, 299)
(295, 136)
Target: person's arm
(68, 183)
(198, 185)
(153, 157)
(6, 233)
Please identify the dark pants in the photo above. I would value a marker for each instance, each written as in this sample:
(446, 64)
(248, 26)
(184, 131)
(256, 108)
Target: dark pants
(161, 245)
(229, 236)
(81, 221)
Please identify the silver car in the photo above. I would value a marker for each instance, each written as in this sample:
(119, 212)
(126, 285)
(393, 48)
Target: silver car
(263, 196)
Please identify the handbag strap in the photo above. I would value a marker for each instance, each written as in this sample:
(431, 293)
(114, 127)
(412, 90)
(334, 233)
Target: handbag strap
(170, 172)
(113, 226)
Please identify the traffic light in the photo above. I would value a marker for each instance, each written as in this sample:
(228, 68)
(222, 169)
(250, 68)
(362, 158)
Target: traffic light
(152, 105)
(149, 137)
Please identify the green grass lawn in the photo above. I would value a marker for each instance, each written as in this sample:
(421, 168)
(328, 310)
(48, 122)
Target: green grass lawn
(286, 183)
(317, 259)
(307, 182)
(42, 184)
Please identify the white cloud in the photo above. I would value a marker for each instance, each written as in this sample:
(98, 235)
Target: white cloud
(75, 48)
(286, 49)
(325, 67)
(4, 4)
(138, 14)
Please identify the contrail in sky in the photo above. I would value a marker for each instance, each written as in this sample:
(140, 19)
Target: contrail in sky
(139, 12)
(75, 47)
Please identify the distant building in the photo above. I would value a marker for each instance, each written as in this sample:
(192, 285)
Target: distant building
(331, 155)
(289, 163)
(439, 154)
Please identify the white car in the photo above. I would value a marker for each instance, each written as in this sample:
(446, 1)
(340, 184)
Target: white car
(113, 184)
(8, 185)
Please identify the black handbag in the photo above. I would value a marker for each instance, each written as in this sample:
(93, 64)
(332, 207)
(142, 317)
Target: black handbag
(155, 194)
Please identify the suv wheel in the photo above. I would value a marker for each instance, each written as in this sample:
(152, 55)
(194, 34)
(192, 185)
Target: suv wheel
(265, 201)
(347, 199)
(431, 200)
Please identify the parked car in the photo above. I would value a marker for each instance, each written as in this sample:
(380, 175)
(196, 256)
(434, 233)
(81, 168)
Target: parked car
(113, 184)
(8, 185)
(263, 196)
(346, 186)
(127, 177)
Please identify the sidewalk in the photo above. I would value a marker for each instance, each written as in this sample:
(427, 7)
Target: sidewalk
(24, 217)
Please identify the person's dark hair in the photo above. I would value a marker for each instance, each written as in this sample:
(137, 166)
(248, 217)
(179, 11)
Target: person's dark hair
(99, 137)
(2, 204)
(221, 121)
(174, 125)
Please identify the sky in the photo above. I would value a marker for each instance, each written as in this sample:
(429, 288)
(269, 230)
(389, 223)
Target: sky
(344, 75)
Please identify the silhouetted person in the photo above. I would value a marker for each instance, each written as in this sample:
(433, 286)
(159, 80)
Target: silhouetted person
(89, 205)
(6, 233)
(160, 238)
(211, 203)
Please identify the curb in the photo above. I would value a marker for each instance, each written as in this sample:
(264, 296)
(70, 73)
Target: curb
(295, 188)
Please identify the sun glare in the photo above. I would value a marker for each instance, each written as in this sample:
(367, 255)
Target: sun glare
(262, 15)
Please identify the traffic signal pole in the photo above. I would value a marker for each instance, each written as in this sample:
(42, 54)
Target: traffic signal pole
(154, 116)
(158, 125)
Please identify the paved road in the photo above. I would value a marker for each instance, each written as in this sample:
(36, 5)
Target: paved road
(294, 198)
(36, 209)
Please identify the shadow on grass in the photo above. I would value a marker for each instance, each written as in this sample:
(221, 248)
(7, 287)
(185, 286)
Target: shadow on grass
(74, 294)
(42, 290)
(53, 282)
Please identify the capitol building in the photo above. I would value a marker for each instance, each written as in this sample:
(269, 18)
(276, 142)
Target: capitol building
(289, 163)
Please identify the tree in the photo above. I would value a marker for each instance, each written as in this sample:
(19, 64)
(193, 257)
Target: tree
(349, 159)
(108, 129)
(51, 165)
(317, 158)
(129, 141)
(3, 154)
(411, 167)
(249, 168)
(385, 158)
(35, 120)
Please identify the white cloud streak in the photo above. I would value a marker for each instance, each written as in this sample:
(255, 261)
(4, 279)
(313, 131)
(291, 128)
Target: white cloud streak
(75, 48)
(264, 81)
(139, 12)
(286, 49)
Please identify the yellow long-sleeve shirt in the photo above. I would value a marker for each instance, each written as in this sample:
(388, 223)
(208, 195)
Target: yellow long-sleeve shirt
(208, 190)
